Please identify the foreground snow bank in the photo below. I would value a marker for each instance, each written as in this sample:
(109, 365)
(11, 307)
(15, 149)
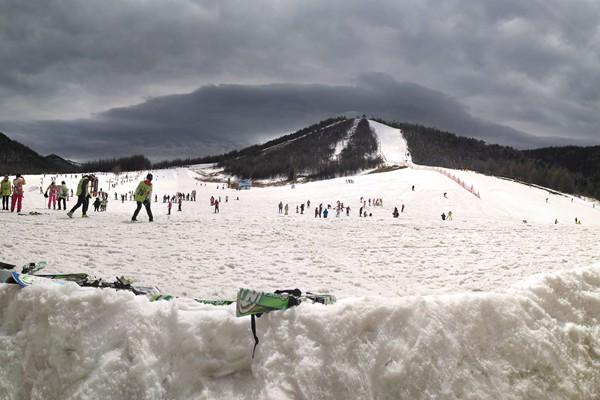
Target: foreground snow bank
(539, 340)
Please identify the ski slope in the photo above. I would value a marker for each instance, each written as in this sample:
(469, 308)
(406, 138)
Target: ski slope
(483, 306)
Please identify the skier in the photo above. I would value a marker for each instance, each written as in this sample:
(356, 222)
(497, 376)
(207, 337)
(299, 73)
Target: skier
(51, 193)
(443, 217)
(169, 205)
(413, 188)
(5, 192)
(402, 208)
(302, 208)
(179, 204)
(449, 215)
(217, 207)
(83, 196)
(286, 209)
(63, 193)
(17, 195)
(143, 195)
(325, 212)
(395, 214)
(347, 211)
(280, 207)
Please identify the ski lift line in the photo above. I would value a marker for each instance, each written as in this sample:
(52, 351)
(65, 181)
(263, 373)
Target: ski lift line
(460, 182)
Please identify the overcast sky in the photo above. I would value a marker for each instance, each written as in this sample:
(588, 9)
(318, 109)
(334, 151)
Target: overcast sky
(97, 78)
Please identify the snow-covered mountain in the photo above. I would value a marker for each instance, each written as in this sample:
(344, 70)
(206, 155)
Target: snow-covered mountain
(343, 147)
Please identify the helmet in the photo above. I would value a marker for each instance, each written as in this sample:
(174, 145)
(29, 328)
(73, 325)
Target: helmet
(149, 177)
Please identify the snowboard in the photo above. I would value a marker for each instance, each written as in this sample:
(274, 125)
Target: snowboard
(27, 268)
(252, 302)
(25, 280)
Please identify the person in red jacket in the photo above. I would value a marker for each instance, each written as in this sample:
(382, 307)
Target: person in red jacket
(17, 196)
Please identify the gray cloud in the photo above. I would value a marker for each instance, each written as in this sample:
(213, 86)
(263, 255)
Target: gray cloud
(214, 119)
(533, 65)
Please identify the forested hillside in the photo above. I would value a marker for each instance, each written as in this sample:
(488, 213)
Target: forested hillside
(542, 167)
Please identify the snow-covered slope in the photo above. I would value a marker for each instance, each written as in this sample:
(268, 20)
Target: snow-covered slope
(392, 145)
(483, 306)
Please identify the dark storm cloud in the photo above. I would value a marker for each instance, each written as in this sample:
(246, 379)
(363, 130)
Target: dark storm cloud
(214, 119)
(531, 65)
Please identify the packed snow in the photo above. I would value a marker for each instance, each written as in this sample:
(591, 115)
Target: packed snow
(502, 301)
(392, 145)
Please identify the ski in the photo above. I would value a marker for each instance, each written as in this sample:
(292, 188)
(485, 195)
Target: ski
(32, 268)
(80, 277)
(27, 268)
(4, 265)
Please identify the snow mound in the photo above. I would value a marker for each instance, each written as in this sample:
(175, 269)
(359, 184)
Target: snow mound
(537, 341)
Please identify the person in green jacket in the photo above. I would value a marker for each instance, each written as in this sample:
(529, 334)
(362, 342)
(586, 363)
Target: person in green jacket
(143, 195)
(5, 192)
(83, 196)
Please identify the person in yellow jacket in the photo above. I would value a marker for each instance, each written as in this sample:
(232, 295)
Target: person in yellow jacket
(5, 192)
(83, 196)
(143, 195)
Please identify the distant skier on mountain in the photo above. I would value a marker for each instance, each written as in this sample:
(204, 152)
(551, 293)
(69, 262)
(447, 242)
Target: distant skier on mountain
(83, 197)
(280, 207)
(325, 212)
(286, 208)
(395, 214)
(402, 208)
(17, 193)
(143, 195)
(5, 192)
(216, 206)
(443, 216)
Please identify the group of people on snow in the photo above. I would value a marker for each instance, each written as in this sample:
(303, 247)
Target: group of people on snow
(13, 191)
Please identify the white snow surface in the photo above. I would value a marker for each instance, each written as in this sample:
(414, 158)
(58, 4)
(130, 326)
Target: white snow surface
(392, 145)
(483, 306)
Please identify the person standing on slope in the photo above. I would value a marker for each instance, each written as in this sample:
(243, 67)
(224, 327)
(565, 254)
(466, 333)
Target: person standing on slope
(143, 195)
(51, 193)
(5, 192)
(83, 196)
(63, 193)
(17, 195)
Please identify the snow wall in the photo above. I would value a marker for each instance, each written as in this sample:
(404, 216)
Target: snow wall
(540, 340)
